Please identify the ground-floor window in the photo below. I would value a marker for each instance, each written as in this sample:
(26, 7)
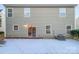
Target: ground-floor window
(15, 27)
(68, 29)
(48, 29)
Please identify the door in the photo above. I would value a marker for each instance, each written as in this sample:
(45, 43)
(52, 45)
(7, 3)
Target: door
(32, 31)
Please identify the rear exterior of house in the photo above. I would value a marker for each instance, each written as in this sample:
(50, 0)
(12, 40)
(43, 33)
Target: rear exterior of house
(40, 20)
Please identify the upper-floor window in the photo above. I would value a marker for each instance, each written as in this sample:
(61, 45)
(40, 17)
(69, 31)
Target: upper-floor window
(26, 12)
(9, 12)
(0, 22)
(62, 12)
(48, 29)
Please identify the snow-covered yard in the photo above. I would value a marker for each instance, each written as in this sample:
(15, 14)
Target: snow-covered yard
(39, 46)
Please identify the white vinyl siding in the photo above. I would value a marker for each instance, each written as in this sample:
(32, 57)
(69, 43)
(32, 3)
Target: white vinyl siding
(26, 12)
(62, 12)
(9, 12)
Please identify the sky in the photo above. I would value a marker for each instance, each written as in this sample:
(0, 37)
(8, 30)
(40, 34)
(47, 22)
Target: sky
(76, 10)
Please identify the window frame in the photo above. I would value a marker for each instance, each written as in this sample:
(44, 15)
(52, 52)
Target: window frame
(10, 12)
(15, 25)
(62, 12)
(28, 12)
(48, 29)
(67, 29)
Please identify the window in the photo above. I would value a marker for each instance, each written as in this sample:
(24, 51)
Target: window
(48, 29)
(15, 27)
(26, 12)
(62, 11)
(9, 13)
(0, 22)
(68, 29)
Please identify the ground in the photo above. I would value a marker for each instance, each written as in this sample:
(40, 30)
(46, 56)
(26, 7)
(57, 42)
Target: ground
(39, 46)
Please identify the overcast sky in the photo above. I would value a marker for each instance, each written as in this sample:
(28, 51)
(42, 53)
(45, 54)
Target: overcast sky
(76, 10)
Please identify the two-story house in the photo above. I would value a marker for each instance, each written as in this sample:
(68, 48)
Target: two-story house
(39, 20)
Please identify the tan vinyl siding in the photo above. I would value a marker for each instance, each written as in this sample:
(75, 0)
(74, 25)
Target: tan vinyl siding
(39, 18)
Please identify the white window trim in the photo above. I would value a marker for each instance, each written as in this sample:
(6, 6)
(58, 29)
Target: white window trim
(66, 28)
(69, 25)
(12, 11)
(50, 29)
(13, 27)
(59, 13)
(30, 14)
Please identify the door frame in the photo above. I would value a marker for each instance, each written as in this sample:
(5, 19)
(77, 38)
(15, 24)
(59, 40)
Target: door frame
(31, 31)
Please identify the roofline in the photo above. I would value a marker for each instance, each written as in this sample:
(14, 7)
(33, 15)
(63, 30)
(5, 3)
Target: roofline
(40, 5)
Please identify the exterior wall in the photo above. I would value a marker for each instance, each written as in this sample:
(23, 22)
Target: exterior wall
(40, 17)
(77, 23)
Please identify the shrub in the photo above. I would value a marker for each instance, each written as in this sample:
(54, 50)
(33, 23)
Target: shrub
(1, 36)
(1, 32)
(75, 33)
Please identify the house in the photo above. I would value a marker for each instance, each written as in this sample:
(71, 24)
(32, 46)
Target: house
(39, 20)
(2, 22)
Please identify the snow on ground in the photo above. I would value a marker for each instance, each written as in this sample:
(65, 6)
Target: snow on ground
(39, 46)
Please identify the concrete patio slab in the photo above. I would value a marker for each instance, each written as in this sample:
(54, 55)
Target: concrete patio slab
(36, 46)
